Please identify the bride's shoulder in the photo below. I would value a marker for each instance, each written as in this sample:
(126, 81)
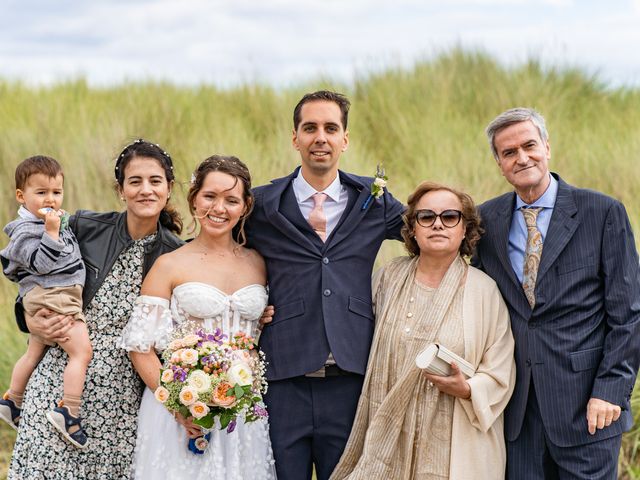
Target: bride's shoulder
(170, 263)
(251, 255)
(170, 259)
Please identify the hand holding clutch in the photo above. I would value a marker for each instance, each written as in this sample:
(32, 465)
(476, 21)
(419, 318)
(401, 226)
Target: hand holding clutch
(436, 360)
(446, 370)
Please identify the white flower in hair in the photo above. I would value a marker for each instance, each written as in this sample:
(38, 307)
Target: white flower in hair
(193, 179)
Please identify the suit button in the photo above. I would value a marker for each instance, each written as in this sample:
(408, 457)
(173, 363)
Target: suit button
(528, 362)
(532, 326)
(327, 292)
(325, 260)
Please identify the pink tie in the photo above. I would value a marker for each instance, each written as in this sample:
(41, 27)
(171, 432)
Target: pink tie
(317, 218)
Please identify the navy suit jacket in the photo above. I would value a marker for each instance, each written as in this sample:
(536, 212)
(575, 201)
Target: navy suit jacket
(321, 291)
(582, 339)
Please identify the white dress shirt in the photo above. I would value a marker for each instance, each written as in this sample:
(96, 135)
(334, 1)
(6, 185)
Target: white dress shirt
(333, 206)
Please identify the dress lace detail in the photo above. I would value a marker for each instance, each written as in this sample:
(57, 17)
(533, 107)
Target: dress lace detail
(110, 399)
(161, 446)
(150, 325)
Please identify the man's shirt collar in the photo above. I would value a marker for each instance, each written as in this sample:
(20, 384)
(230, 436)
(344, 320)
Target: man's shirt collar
(547, 200)
(304, 191)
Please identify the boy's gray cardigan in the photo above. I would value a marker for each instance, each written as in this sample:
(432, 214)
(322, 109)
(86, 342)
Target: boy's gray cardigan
(34, 258)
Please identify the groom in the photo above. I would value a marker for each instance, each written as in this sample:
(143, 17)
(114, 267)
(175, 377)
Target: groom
(319, 233)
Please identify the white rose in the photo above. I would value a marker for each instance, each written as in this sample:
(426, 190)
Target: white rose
(175, 345)
(189, 356)
(240, 374)
(380, 182)
(199, 381)
(242, 355)
(207, 347)
(190, 340)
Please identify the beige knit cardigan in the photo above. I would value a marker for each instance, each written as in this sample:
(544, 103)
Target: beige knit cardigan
(477, 443)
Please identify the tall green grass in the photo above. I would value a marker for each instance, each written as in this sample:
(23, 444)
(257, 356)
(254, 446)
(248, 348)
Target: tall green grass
(426, 122)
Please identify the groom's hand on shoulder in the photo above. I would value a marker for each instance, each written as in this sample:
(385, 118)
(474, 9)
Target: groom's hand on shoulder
(267, 316)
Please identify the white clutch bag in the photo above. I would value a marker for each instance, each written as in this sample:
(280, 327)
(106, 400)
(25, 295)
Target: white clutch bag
(436, 359)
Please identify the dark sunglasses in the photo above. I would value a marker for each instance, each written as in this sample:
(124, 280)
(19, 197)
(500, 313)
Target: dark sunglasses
(449, 218)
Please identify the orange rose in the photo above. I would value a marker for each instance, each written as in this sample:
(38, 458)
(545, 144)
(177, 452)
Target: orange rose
(198, 410)
(188, 396)
(219, 395)
(161, 394)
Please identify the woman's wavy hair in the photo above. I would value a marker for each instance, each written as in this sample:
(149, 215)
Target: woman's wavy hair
(140, 148)
(231, 166)
(471, 219)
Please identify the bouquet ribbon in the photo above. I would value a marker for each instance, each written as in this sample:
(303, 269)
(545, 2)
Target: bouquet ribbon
(199, 444)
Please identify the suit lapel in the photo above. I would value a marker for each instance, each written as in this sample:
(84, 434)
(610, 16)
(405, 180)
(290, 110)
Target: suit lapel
(353, 213)
(272, 199)
(561, 228)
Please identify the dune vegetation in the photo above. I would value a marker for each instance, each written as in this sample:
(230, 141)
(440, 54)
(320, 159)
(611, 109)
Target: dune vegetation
(424, 122)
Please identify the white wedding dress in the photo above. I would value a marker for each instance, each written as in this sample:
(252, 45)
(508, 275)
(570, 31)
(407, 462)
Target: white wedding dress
(161, 445)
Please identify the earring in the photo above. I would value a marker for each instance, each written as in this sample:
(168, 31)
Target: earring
(169, 196)
(121, 198)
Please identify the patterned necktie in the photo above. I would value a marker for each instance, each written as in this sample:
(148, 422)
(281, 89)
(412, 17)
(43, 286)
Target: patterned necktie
(532, 254)
(317, 218)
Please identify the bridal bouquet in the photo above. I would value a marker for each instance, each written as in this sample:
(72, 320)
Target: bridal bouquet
(214, 379)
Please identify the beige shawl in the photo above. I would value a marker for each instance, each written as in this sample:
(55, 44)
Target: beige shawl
(382, 438)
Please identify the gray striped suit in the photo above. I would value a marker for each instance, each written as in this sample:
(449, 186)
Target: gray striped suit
(582, 339)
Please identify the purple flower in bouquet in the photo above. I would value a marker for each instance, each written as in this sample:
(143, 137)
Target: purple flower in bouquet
(232, 426)
(260, 411)
(179, 374)
(208, 360)
(216, 337)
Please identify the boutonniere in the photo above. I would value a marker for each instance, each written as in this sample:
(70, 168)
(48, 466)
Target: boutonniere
(377, 187)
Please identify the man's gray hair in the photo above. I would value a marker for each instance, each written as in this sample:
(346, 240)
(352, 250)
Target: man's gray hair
(511, 116)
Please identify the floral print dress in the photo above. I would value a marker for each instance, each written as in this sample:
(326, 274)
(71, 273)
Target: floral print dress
(111, 394)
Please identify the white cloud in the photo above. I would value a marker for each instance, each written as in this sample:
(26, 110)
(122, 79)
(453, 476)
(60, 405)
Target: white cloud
(284, 41)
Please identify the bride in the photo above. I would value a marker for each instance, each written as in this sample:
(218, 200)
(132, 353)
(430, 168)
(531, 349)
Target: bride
(211, 282)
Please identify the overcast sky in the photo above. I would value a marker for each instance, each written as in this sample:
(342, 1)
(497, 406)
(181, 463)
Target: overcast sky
(284, 42)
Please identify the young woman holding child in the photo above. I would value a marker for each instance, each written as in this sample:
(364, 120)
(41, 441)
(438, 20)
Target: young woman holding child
(118, 249)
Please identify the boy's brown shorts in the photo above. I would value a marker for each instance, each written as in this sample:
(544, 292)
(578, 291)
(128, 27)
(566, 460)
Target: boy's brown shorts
(62, 300)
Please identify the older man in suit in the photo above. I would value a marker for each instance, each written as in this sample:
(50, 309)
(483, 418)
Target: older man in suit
(565, 261)
(319, 230)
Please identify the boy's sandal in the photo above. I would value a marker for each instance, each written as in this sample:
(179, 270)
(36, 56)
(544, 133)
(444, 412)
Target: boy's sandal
(9, 412)
(62, 420)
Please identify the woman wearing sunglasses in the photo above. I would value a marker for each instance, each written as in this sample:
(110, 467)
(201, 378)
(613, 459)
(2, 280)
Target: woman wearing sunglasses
(411, 424)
